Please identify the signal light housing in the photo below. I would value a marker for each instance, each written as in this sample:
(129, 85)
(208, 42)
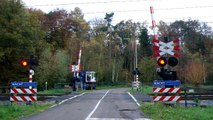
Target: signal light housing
(136, 72)
(172, 61)
(162, 61)
(167, 75)
(32, 62)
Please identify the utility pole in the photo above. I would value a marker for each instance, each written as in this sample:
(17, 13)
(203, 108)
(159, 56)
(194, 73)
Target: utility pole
(136, 59)
(136, 72)
(204, 73)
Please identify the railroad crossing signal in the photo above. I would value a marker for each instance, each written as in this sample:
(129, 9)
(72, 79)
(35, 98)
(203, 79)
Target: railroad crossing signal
(167, 48)
(163, 48)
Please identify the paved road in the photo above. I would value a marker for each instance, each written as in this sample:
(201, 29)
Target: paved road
(114, 104)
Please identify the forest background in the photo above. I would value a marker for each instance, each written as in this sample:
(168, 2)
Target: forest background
(55, 39)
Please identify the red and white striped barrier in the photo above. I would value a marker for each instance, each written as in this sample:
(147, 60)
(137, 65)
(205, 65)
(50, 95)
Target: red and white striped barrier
(155, 37)
(79, 63)
(173, 98)
(166, 90)
(23, 94)
(23, 91)
(167, 98)
(23, 98)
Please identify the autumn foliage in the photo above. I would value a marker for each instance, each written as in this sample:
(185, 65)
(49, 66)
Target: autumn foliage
(55, 38)
(194, 73)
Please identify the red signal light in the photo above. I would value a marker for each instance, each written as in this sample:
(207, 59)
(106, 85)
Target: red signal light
(24, 63)
(162, 61)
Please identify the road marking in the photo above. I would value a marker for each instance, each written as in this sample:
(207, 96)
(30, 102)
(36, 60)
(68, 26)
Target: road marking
(117, 119)
(67, 100)
(134, 99)
(88, 117)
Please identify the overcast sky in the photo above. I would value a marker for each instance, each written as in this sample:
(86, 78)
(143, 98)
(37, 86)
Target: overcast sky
(137, 10)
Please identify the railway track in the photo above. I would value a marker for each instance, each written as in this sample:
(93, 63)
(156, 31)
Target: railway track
(188, 96)
(40, 97)
(199, 96)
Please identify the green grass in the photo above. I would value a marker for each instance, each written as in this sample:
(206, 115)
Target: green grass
(110, 87)
(159, 111)
(15, 111)
(146, 89)
(55, 91)
(65, 91)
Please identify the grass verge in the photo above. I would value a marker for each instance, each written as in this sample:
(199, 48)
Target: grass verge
(158, 111)
(65, 91)
(145, 89)
(16, 111)
(110, 87)
(56, 91)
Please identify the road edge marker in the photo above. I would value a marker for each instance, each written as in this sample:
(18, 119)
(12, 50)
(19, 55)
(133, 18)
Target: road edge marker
(66, 100)
(134, 99)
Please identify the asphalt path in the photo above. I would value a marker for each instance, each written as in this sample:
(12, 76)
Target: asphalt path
(114, 104)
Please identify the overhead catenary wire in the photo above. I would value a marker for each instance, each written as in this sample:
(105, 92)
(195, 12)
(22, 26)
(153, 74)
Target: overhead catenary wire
(87, 3)
(139, 10)
(147, 10)
(128, 10)
(120, 2)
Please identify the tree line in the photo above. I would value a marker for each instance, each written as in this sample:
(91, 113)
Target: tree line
(55, 39)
